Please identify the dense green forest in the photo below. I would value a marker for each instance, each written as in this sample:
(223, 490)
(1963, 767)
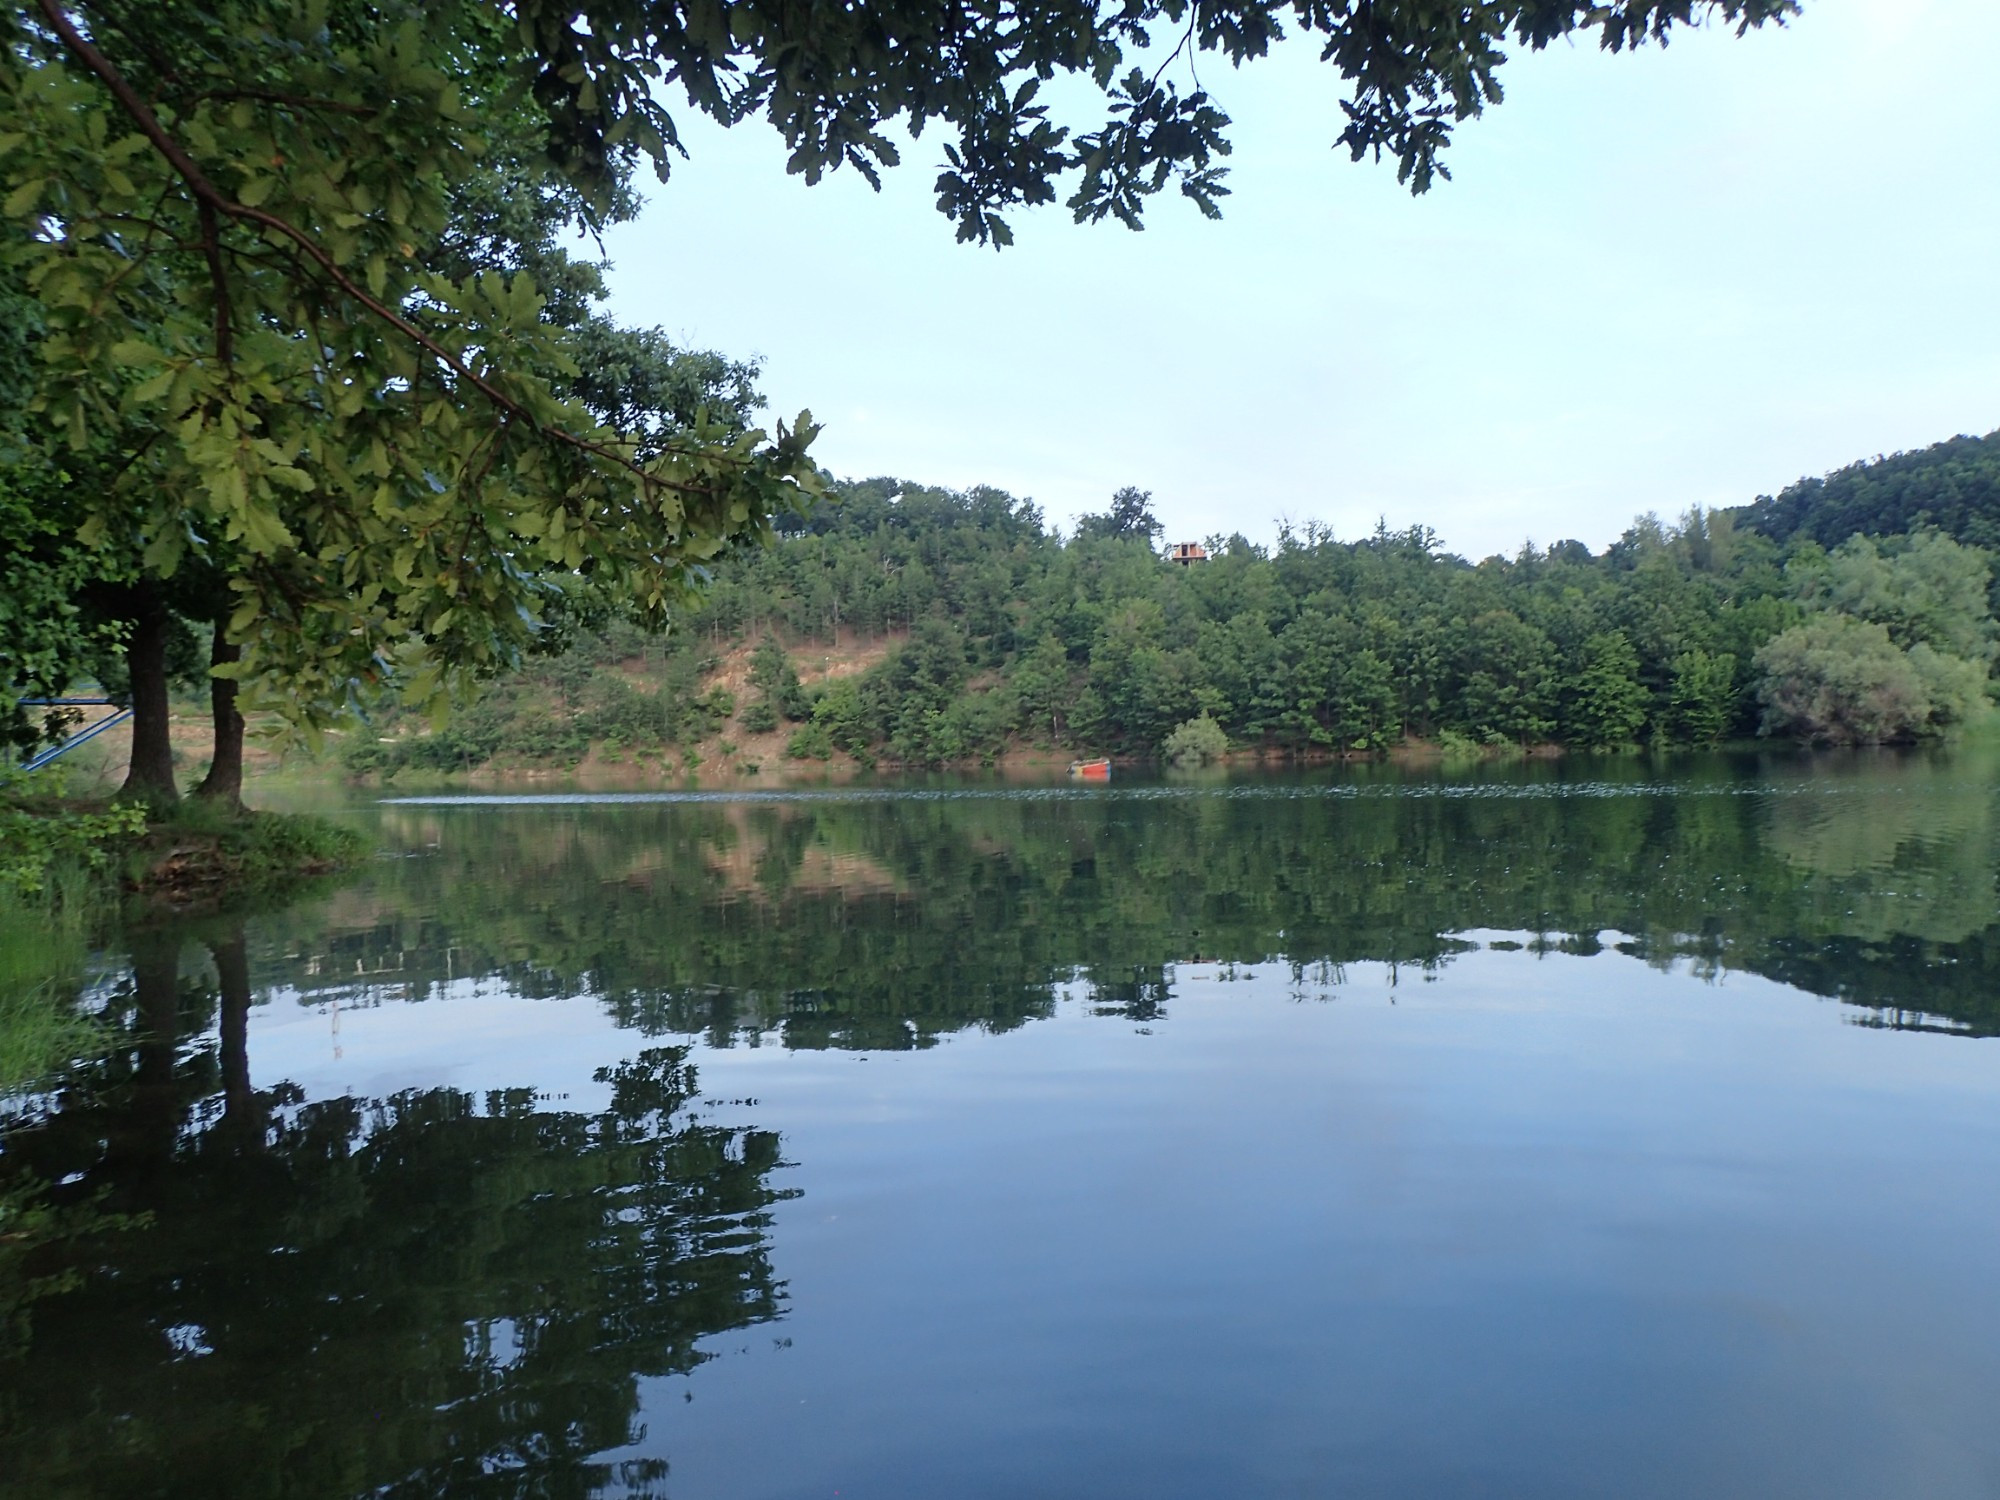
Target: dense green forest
(1952, 486)
(990, 630)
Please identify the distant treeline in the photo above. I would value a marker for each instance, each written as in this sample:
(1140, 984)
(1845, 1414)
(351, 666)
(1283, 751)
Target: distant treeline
(1953, 487)
(1720, 625)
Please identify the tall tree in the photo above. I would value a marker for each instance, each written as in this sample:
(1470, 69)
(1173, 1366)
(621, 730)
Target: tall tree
(395, 456)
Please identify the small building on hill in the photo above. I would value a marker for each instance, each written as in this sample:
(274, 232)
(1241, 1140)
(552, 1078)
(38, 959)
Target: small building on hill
(1187, 553)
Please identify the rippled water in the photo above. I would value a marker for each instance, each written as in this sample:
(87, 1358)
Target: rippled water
(1623, 1131)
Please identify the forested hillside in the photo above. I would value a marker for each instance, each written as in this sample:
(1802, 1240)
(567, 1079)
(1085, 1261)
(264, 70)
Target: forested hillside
(1952, 486)
(923, 626)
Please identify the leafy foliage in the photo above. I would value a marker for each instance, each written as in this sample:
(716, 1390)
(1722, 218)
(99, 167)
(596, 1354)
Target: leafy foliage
(35, 844)
(1952, 487)
(833, 80)
(1196, 743)
(1899, 647)
(236, 222)
(1001, 632)
(1839, 680)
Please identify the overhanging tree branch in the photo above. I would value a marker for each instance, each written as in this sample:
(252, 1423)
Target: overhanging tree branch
(211, 201)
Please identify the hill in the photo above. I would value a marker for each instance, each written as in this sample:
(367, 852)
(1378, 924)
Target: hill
(919, 626)
(1953, 486)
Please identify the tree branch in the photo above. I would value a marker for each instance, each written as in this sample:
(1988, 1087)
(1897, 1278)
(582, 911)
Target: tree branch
(211, 200)
(218, 276)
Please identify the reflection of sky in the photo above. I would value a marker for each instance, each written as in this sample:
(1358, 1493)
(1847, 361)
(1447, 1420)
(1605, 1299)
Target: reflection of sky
(473, 1035)
(1536, 1225)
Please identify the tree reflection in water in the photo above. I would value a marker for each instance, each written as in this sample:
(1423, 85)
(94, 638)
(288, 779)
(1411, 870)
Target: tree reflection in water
(884, 924)
(427, 1293)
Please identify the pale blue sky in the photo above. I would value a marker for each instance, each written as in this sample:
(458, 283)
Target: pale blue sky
(1685, 276)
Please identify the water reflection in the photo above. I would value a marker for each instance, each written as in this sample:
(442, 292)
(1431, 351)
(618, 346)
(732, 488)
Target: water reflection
(223, 1280)
(866, 921)
(245, 1292)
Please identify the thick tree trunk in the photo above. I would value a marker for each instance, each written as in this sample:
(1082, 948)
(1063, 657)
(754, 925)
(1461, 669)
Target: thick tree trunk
(224, 782)
(150, 776)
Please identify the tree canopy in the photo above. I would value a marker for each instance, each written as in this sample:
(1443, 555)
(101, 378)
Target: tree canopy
(251, 232)
(832, 80)
(1953, 486)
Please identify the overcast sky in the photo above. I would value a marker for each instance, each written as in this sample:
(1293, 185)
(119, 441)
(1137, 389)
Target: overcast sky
(1672, 278)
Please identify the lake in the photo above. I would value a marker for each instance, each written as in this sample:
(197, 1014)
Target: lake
(1590, 1128)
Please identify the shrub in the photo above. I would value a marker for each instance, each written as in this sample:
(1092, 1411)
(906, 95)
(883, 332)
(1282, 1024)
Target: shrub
(35, 846)
(1196, 742)
(810, 742)
(1841, 681)
(772, 674)
(715, 705)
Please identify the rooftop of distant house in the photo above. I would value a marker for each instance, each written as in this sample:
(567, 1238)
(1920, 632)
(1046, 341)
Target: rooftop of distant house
(1187, 552)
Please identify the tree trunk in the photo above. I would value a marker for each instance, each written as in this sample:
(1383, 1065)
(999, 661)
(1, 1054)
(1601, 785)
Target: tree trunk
(224, 782)
(150, 775)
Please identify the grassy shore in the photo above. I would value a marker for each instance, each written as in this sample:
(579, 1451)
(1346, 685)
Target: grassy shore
(61, 853)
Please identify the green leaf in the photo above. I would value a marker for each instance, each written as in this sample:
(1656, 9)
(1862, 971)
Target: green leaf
(135, 354)
(23, 199)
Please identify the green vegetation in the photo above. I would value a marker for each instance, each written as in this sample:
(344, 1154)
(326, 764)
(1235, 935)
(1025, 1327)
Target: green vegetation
(64, 865)
(295, 359)
(42, 949)
(1196, 742)
(229, 858)
(526, 1264)
(48, 850)
(56, 863)
(984, 631)
(1952, 487)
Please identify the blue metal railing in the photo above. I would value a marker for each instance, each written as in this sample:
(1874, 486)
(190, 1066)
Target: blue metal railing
(82, 736)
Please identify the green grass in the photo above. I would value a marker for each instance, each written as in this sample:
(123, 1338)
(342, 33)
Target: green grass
(43, 938)
(213, 854)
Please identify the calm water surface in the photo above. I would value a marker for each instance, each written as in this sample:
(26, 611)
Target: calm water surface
(1608, 1129)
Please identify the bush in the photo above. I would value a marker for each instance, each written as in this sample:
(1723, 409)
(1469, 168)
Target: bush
(771, 672)
(1837, 680)
(843, 717)
(1456, 747)
(1196, 743)
(715, 705)
(811, 742)
(759, 718)
(619, 714)
(35, 846)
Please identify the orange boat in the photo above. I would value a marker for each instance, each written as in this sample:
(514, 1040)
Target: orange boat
(1091, 770)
